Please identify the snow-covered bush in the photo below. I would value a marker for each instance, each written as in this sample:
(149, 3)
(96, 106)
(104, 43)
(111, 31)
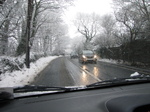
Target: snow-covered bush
(10, 64)
(35, 56)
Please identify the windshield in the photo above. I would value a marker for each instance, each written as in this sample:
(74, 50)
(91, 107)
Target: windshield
(88, 53)
(41, 41)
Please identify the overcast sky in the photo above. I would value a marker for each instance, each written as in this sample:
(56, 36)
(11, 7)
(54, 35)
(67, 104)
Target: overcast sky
(100, 7)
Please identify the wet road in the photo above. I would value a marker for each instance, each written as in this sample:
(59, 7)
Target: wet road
(64, 71)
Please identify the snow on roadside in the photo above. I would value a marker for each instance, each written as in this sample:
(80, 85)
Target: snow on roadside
(25, 75)
(134, 74)
(108, 60)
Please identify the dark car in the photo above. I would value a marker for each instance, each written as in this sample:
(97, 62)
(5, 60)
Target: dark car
(73, 55)
(87, 56)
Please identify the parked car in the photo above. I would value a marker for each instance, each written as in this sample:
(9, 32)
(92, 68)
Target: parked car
(87, 56)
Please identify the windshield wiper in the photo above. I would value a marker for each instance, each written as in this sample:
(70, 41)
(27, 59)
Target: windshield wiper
(139, 78)
(33, 88)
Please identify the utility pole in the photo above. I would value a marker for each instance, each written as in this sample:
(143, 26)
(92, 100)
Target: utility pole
(28, 30)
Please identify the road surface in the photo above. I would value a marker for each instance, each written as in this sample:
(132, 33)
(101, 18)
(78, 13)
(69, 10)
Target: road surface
(64, 71)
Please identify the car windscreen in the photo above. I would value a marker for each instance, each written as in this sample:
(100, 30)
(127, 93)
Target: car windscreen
(88, 53)
(61, 43)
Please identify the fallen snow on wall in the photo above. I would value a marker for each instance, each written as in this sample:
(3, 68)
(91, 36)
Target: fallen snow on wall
(25, 75)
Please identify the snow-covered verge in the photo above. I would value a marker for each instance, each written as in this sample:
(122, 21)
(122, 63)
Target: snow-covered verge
(24, 76)
(110, 61)
(136, 65)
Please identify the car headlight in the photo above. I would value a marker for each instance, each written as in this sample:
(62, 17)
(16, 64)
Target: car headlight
(83, 56)
(95, 56)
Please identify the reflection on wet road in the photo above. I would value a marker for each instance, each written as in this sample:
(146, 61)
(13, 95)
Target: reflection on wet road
(79, 75)
(103, 71)
(64, 71)
(96, 71)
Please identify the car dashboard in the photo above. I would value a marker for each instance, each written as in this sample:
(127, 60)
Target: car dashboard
(125, 98)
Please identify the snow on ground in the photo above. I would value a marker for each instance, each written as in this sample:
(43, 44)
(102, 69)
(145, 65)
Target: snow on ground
(109, 61)
(25, 75)
(135, 74)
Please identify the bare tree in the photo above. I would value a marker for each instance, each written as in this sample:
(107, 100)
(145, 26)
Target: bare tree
(88, 26)
(133, 15)
(108, 25)
(130, 18)
(143, 7)
(40, 8)
(8, 23)
(51, 34)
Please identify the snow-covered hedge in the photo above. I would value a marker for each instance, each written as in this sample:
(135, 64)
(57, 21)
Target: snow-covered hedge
(8, 63)
(11, 63)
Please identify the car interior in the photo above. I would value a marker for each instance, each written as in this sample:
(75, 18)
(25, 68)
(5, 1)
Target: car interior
(122, 98)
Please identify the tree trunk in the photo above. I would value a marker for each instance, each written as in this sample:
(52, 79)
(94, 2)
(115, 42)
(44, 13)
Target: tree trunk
(4, 40)
(29, 23)
(22, 44)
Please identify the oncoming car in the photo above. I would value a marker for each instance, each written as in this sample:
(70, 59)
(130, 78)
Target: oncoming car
(87, 56)
(73, 55)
